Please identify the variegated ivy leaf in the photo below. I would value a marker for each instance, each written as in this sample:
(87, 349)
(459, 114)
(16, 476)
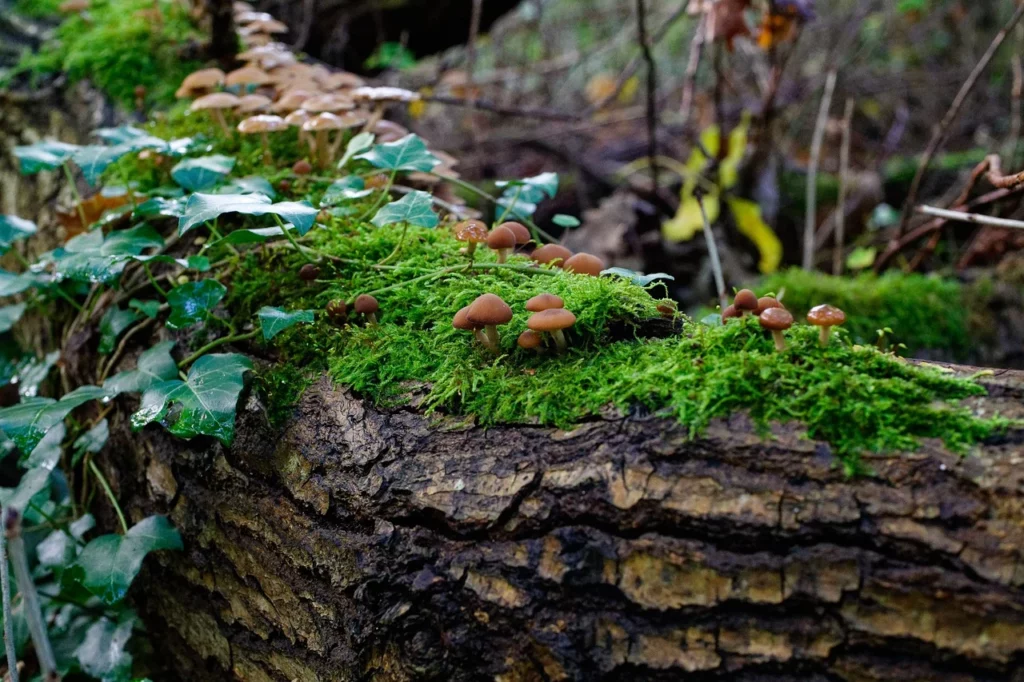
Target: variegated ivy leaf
(534, 189)
(202, 172)
(637, 278)
(45, 155)
(203, 208)
(566, 221)
(252, 184)
(347, 189)
(9, 316)
(415, 208)
(28, 422)
(408, 154)
(359, 143)
(153, 367)
(12, 229)
(192, 302)
(91, 257)
(273, 321)
(11, 283)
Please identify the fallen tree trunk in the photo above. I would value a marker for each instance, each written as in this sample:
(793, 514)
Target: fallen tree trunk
(366, 544)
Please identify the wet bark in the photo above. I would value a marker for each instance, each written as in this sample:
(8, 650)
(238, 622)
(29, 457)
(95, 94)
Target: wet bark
(367, 544)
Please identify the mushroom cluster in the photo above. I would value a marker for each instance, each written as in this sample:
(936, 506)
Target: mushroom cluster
(488, 311)
(773, 316)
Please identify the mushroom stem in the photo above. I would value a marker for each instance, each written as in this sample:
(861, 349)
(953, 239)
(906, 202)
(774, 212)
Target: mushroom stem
(823, 335)
(322, 149)
(267, 156)
(471, 249)
(491, 333)
(375, 117)
(780, 340)
(219, 116)
(481, 337)
(559, 338)
(336, 145)
(371, 319)
(503, 255)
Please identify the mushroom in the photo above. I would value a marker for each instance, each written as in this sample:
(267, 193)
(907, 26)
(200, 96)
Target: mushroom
(246, 76)
(521, 232)
(389, 131)
(216, 104)
(544, 301)
(729, 313)
(745, 301)
(825, 317)
(472, 232)
(776, 320)
(380, 98)
(351, 119)
(667, 309)
(461, 321)
(302, 167)
(367, 305)
(333, 103)
(297, 119)
(308, 273)
(290, 101)
(200, 82)
(549, 254)
(250, 104)
(337, 310)
(263, 124)
(322, 125)
(553, 321)
(502, 240)
(766, 302)
(531, 340)
(340, 80)
(265, 26)
(584, 264)
(490, 311)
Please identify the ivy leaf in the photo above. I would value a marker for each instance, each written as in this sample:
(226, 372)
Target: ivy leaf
(637, 278)
(58, 551)
(128, 134)
(415, 208)
(346, 189)
(192, 302)
(108, 564)
(357, 144)
(103, 653)
(253, 184)
(566, 221)
(113, 323)
(93, 159)
(34, 373)
(46, 155)
(202, 208)
(11, 283)
(274, 320)
(161, 207)
(92, 441)
(90, 257)
(28, 422)
(197, 263)
(32, 486)
(202, 172)
(254, 236)
(13, 228)
(205, 404)
(408, 154)
(154, 366)
(534, 189)
(9, 316)
(148, 308)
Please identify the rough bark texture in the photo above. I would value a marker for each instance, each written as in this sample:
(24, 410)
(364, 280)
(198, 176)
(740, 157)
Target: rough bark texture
(360, 544)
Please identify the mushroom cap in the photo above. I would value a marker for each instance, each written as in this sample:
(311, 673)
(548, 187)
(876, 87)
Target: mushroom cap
(270, 25)
(730, 312)
(530, 339)
(745, 300)
(584, 264)
(384, 94)
(826, 316)
(262, 123)
(521, 232)
(489, 309)
(248, 16)
(550, 320)
(776, 319)
(217, 100)
(544, 302)
(366, 304)
(251, 103)
(389, 131)
(329, 102)
(461, 320)
(324, 121)
(247, 75)
(501, 238)
(340, 80)
(471, 231)
(352, 119)
(203, 79)
(309, 272)
(550, 253)
(337, 308)
(302, 167)
(766, 302)
(297, 118)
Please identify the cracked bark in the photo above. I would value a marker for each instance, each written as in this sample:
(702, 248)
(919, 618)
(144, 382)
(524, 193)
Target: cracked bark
(361, 544)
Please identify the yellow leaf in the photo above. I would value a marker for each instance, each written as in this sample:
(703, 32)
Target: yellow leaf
(417, 108)
(750, 223)
(687, 221)
(628, 91)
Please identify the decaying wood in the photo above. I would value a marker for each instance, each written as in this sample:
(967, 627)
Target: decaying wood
(366, 544)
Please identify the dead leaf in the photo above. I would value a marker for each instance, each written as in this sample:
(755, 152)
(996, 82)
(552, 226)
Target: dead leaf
(92, 208)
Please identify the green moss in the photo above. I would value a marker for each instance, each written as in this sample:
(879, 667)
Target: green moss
(923, 312)
(37, 8)
(118, 49)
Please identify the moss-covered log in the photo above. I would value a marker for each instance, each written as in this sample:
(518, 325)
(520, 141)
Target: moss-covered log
(366, 544)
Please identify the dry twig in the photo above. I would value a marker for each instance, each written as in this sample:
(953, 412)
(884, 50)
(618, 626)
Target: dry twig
(810, 220)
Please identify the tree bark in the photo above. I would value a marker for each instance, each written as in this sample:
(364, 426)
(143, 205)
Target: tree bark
(367, 544)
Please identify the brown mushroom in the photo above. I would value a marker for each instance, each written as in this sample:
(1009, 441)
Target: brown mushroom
(551, 254)
(389, 131)
(302, 167)
(544, 301)
(247, 76)
(367, 305)
(251, 104)
(825, 317)
(309, 272)
(216, 104)
(502, 240)
(337, 310)
(729, 313)
(263, 124)
(322, 125)
(351, 119)
(745, 301)
(490, 311)
(332, 102)
(776, 320)
(521, 232)
(766, 302)
(297, 119)
(461, 321)
(584, 264)
(531, 340)
(380, 98)
(554, 321)
(200, 82)
(472, 232)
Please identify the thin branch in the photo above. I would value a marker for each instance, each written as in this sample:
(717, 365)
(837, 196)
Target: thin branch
(474, 33)
(29, 597)
(483, 105)
(976, 218)
(652, 91)
(716, 261)
(811, 217)
(939, 136)
(844, 181)
(692, 67)
(5, 586)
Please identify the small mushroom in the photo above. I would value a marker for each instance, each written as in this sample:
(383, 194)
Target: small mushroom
(729, 313)
(351, 119)
(472, 232)
(216, 104)
(251, 104)
(745, 301)
(521, 232)
(531, 340)
(544, 302)
(264, 124)
(668, 309)
(322, 125)
(766, 302)
(461, 321)
(367, 305)
(337, 310)
(333, 103)
(825, 317)
(247, 76)
(302, 167)
(776, 320)
(308, 273)
(389, 131)
(297, 119)
(502, 240)
(584, 264)
(200, 82)
(490, 311)
(553, 321)
(380, 98)
(551, 254)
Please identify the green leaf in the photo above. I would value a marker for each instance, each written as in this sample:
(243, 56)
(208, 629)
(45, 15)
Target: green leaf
(274, 320)
(46, 155)
(154, 366)
(202, 172)
(637, 278)
(47, 454)
(92, 441)
(148, 308)
(161, 207)
(9, 316)
(408, 154)
(108, 564)
(414, 208)
(861, 258)
(357, 144)
(534, 189)
(255, 236)
(90, 257)
(197, 263)
(347, 189)
(34, 373)
(13, 228)
(112, 324)
(58, 551)
(103, 653)
(27, 422)
(192, 302)
(202, 208)
(33, 486)
(93, 159)
(11, 284)
(205, 404)
(253, 184)
(566, 221)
